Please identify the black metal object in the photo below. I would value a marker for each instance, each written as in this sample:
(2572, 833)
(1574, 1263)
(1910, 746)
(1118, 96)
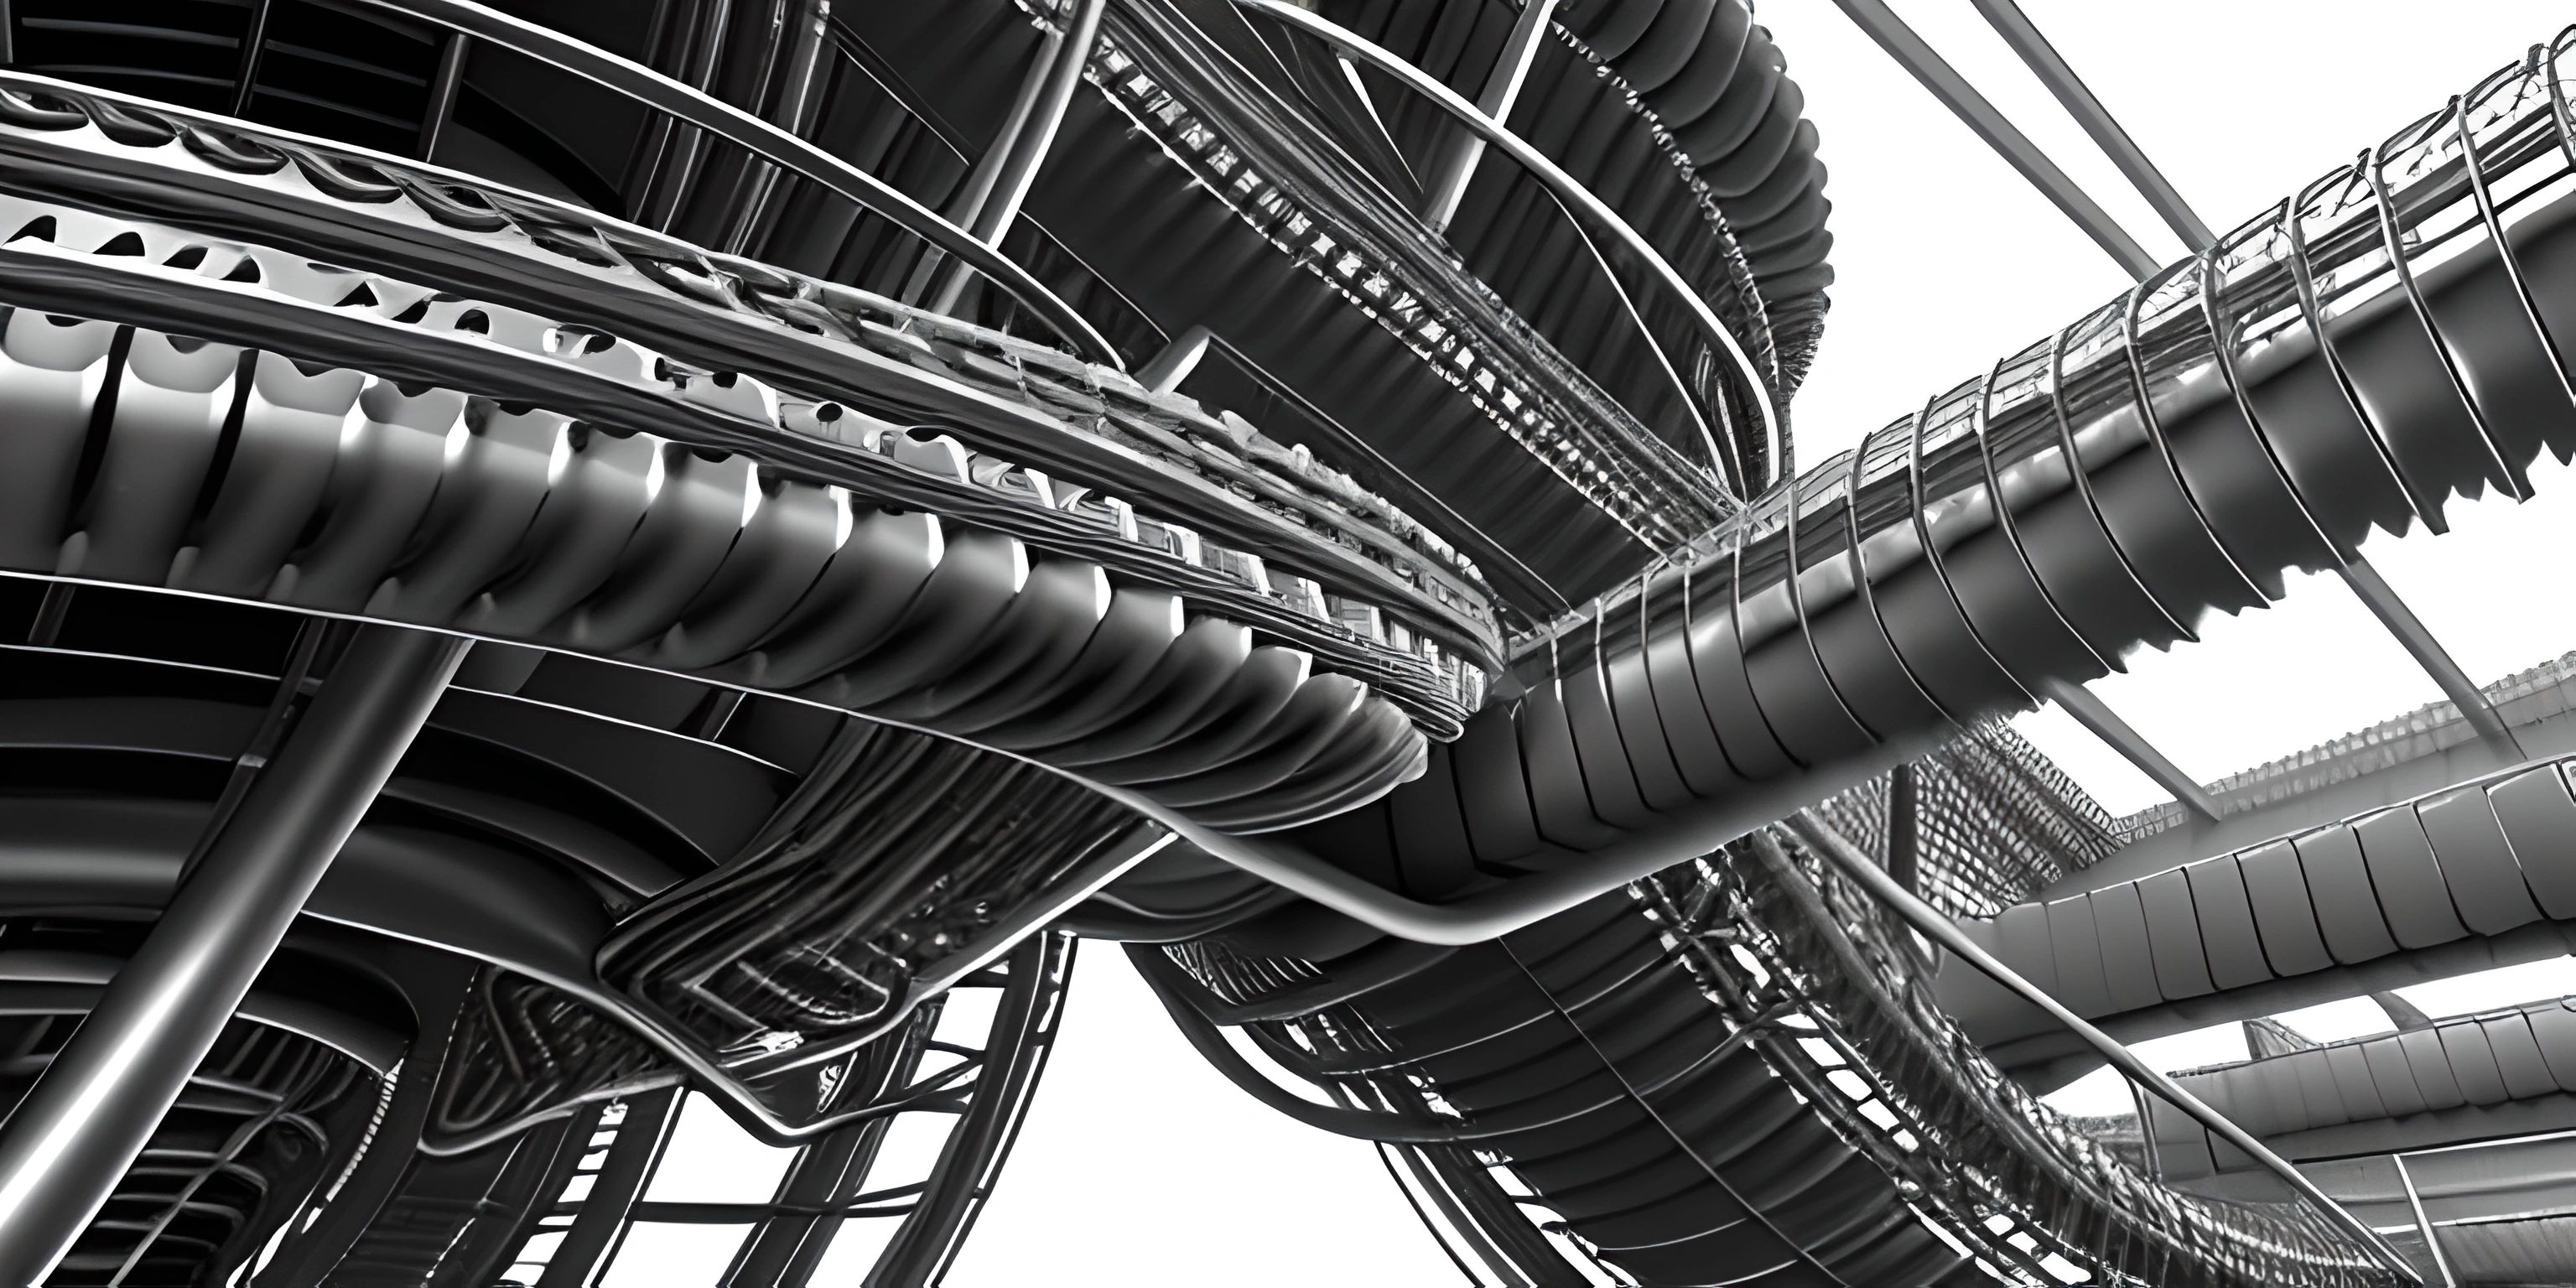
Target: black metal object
(836, 647)
(70, 1138)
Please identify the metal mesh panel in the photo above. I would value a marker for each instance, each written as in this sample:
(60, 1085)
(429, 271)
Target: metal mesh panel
(1993, 823)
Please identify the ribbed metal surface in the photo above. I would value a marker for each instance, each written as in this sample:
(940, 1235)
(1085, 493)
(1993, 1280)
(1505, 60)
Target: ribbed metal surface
(2332, 911)
(2168, 455)
(1679, 111)
(453, 511)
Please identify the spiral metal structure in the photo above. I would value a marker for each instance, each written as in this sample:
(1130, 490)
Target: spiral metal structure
(567, 582)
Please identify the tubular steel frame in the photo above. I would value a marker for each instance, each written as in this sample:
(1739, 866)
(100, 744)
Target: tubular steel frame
(72, 1138)
(2078, 99)
(1772, 528)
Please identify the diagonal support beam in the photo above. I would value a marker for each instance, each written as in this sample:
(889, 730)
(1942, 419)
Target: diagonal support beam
(2105, 130)
(69, 1142)
(1456, 165)
(1918, 59)
(2078, 99)
(2392, 611)
(2423, 1226)
(2106, 724)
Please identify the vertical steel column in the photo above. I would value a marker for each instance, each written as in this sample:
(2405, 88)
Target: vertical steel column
(783, 1250)
(1928, 921)
(1903, 817)
(591, 1241)
(1011, 167)
(1015, 1052)
(1456, 165)
(2106, 724)
(65, 1147)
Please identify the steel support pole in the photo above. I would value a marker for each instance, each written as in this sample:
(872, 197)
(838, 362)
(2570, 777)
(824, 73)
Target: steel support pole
(2424, 1226)
(1457, 162)
(2391, 609)
(1015, 158)
(444, 86)
(1936, 74)
(2106, 724)
(2077, 98)
(1165, 371)
(65, 1147)
(1928, 921)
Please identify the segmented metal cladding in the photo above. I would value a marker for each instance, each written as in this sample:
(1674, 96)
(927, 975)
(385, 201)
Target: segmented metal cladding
(2350, 360)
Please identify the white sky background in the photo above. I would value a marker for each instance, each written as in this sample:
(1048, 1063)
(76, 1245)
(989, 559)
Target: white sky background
(1140, 1165)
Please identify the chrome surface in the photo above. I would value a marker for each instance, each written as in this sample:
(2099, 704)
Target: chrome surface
(66, 1145)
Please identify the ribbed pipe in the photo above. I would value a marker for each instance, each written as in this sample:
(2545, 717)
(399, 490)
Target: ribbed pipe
(2258, 408)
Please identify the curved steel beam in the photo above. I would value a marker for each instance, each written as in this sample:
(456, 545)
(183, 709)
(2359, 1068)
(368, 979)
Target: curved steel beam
(805, 338)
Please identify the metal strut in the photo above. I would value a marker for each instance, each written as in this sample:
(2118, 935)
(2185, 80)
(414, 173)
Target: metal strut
(1457, 162)
(2106, 724)
(69, 1142)
(2106, 132)
(1001, 182)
